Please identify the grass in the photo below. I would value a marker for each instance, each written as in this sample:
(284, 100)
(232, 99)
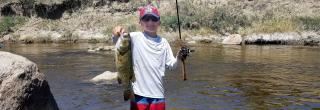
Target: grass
(9, 22)
(270, 26)
(309, 23)
(224, 21)
(130, 22)
(227, 19)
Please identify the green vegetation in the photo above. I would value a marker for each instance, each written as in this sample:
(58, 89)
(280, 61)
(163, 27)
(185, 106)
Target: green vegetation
(223, 21)
(227, 19)
(270, 26)
(310, 23)
(9, 22)
(169, 22)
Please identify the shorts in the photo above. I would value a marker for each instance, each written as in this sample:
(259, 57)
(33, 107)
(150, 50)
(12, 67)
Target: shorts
(145, 103)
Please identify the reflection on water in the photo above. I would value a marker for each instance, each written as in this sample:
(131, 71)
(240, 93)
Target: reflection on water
(220, 77)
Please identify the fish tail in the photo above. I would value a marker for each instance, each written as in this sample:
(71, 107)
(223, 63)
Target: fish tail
(128, 93)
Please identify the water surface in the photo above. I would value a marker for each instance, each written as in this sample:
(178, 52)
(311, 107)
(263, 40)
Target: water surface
(219, 77)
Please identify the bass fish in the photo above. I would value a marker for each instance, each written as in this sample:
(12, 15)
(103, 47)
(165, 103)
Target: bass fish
(124, 66)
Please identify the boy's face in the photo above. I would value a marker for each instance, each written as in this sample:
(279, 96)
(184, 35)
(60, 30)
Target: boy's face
(150, 23)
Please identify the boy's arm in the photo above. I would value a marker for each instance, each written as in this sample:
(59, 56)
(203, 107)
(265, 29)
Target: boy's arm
(171, 61)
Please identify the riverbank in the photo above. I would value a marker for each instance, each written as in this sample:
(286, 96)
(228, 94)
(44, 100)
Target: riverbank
(287, 38)
(203, 22)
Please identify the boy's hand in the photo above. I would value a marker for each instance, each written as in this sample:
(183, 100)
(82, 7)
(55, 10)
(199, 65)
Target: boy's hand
(183, 53)
(117, 31)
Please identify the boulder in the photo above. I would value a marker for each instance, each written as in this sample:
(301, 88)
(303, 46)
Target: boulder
(22, 85)
(234, 39)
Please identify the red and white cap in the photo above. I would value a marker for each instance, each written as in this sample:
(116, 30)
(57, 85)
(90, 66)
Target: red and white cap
(149, 10)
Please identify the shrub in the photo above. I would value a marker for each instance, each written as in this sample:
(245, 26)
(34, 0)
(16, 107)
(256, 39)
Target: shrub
(10, 21)
(169, 22)
(309, 23)
(223, 21)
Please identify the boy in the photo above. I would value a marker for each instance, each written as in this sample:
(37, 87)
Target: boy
(151, 55)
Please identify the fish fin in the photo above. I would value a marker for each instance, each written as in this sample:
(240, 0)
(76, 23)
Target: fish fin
(133, 78)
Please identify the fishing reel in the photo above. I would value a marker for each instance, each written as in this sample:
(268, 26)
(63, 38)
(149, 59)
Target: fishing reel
(185, 51)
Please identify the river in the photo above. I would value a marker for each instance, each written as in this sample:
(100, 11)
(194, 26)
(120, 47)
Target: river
(220, 77)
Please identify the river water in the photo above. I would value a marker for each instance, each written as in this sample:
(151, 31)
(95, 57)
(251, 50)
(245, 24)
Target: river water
(219, 77)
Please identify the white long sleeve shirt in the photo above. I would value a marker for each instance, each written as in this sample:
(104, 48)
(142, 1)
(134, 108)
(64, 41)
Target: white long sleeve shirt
(151, 56)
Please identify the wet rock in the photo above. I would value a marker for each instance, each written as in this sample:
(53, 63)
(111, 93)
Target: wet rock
(273, 38)
(302, 38)
(310, 38)
(22, 85)
(311, 41)
(106, 77)
(234, 39)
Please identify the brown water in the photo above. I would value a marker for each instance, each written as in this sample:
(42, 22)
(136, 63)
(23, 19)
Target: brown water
(219, 77)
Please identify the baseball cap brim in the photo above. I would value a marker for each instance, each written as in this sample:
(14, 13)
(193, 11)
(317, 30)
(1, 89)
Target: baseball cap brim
(150, 14)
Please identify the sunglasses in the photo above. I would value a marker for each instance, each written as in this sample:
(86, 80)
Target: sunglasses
(149, 18)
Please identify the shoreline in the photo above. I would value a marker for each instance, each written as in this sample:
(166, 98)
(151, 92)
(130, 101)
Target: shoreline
(285, 38)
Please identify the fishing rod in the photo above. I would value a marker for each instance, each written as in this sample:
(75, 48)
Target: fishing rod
(184, 49)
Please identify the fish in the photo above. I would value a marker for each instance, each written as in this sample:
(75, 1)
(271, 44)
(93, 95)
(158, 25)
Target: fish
(124, 66)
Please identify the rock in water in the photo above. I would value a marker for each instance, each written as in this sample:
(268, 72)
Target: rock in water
(22, 86)
(124, 65)
(106, 77)
(234, 39)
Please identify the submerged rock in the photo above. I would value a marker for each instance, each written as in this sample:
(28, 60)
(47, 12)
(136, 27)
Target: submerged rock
(106, 77)
(234, 39)
(22, 85)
